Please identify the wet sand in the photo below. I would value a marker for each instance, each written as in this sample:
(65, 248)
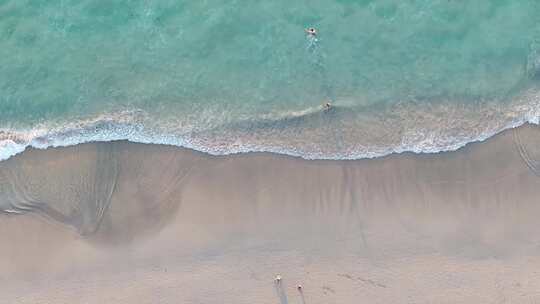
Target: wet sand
(134, 223)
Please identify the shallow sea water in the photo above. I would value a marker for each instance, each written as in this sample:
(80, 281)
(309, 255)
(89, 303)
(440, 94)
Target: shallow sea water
(230, 76)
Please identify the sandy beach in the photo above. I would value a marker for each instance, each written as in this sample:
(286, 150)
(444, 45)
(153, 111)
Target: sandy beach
(132, 223)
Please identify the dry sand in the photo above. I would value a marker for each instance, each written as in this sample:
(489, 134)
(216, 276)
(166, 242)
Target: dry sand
(133, 223)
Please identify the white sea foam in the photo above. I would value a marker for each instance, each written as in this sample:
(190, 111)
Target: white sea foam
(311, 133)
(428, 144)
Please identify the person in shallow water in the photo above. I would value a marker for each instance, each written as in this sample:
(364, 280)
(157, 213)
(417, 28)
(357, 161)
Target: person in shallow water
(311, 31)
(327, 106)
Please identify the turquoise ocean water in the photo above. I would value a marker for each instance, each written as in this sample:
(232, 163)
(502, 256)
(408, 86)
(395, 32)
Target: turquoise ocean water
(236, 76)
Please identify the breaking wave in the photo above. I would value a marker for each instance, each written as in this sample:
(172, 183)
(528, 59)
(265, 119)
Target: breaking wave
(345, 131)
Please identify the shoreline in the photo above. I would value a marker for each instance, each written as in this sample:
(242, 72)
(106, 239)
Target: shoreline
(125, 222)
(18, 146)
(265, 134)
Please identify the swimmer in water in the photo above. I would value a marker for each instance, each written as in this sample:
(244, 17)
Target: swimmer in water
(312, 32)
(327, 106)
